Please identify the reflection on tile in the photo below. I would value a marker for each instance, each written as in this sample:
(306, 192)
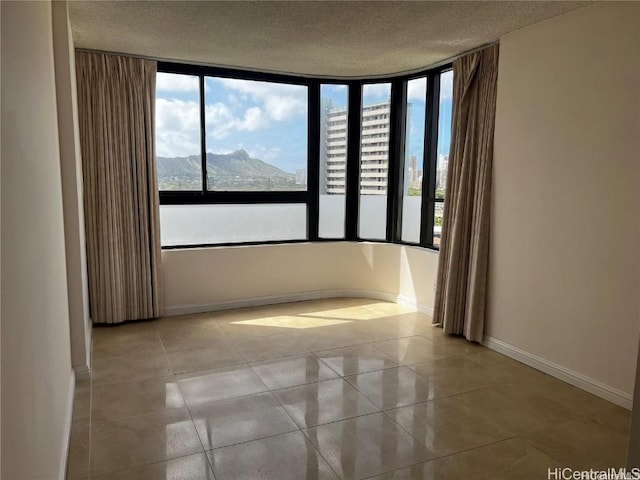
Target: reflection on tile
(395, 387)
(461, 373)
(507, 460)
(447, 425)
(365, 446)
(78, 459)
(324, 402)
(292, 371)
(112, 402)
(212, 356)
(356, 359)
(192, 467)
(614, 418)
(209, 385)
(140, 440)
(235, 420)
(284, 457)
(128, 367)
(273, 346)
(582, 444)
(410, 349)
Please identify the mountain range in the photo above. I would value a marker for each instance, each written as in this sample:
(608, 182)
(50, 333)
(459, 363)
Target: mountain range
(232, 171)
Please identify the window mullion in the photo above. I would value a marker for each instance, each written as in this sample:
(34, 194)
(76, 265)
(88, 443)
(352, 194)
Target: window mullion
(203, 135)
(354, 127)
(396, 154)
(313, 160)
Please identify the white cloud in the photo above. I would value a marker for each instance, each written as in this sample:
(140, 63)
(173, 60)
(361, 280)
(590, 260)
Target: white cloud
(446, 85)
(379, 91)
(277, 101)
(177, 128)
(417, 89)
(220, 121)
(170, 82)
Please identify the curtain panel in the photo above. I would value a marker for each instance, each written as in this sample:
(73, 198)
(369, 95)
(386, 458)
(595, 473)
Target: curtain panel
(116, 97)
(464, 249)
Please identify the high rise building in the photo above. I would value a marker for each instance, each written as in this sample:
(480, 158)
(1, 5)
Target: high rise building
(441, 171)
(374, 157)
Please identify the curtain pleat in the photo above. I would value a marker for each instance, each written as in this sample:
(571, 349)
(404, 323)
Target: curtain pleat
(464, 249)
(116, 97)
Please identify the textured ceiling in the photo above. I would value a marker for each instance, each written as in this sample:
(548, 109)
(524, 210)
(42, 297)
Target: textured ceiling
(338, 38)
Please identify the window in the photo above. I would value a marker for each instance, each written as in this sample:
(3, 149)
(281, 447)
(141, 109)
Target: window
(232, 159)
(374, 161)
(334, 113)
(444, 141)
(245, 157)
(256, 135)
(178, 158)
(413, 160)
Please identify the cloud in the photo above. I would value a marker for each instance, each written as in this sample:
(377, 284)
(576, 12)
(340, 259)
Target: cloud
(277, 101)
(417, 89)
(177, 128)
(446, 85)
(376, 92)
(220, 121)
(171, 82)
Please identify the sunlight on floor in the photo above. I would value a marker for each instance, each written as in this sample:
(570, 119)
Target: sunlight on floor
(286, 321)
(362, 312)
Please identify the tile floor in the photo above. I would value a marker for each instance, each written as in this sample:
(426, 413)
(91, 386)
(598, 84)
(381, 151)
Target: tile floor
(327, 389)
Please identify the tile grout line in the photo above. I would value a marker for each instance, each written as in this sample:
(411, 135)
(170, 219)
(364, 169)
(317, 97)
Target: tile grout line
(193, 423)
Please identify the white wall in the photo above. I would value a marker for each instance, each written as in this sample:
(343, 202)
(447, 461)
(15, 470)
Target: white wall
(37, 378)
(199, 278)
(565, 244)
(71, 168)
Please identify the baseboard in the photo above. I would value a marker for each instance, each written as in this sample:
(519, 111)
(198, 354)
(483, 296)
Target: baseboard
(68, 419)
(413, 303)
(576, 379)
(297, 297)
(82, 373)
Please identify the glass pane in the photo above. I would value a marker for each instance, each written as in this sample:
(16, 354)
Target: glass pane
(178, 156)
(211, 224)
(374, 161)
(444, 131)
(437, 223)
(333, 159)
(414, 160)
(256, 135)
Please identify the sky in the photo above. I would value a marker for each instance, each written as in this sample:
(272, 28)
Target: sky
(268, 120)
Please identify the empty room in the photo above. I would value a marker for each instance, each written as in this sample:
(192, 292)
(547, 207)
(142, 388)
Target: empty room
(288, 240)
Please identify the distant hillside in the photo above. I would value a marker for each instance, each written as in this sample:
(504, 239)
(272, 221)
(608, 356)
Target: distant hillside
(231, 171)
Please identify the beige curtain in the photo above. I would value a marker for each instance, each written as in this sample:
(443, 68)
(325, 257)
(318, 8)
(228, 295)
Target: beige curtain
(464, 249)
(116, 98)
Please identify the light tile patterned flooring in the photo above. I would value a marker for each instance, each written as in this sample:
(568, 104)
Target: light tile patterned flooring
(339, 388)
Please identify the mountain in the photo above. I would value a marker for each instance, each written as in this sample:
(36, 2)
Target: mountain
(231, 171)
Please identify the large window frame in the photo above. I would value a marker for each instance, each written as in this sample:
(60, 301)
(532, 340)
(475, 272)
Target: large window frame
(310, 197)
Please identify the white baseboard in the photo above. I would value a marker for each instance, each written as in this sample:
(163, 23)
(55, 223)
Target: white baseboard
(68, 419)
(297, 297)
(413, 303)
(576, 379)
(82, 373)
